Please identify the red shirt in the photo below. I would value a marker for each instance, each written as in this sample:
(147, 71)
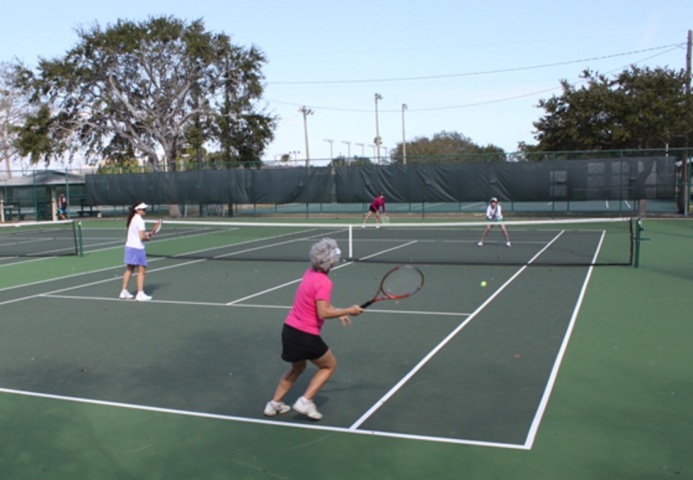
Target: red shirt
(378, 202)
(304, 314)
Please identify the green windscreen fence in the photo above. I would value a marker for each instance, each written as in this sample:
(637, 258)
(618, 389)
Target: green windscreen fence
(572, 180)
(241, 186)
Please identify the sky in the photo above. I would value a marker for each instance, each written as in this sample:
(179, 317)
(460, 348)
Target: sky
(477, 68)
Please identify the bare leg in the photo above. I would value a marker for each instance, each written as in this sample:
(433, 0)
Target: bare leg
(377, 218)
(326, 367)
(127, 275)
(288, 379)
(141, 271)
(367, 217)
(505, 231)
(488, 229)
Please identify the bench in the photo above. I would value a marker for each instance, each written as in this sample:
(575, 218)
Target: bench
(88, 210)
(12, 210)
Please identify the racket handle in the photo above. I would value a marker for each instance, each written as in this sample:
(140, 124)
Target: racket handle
(367, 304)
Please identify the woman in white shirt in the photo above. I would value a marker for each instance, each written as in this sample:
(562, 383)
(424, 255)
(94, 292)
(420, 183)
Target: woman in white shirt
(135, 255)
(494, 214)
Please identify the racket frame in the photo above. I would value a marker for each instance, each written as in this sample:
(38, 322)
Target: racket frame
(387, 296)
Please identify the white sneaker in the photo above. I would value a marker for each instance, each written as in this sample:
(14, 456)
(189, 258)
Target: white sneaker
(273, 408)
(507, 244)
(363, 226)
(308, 408)
(480, 244)
(125, 295)
(142, 297)
(377, 226)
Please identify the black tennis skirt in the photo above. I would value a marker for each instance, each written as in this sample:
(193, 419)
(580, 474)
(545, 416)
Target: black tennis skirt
(372, 209)
(298, 345)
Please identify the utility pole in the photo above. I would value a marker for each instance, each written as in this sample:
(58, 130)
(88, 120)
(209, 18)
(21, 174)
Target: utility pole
(363, 153)
(306, 111)
(404, 137)
(377, 131)
(684, 164)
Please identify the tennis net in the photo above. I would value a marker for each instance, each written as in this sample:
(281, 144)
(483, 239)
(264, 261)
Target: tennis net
(39, 239)
(559, 242)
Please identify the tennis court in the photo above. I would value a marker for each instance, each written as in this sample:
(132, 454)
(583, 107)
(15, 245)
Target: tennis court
(455, 365)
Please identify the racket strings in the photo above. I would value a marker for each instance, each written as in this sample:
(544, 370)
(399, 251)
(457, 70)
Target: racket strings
(402, 281)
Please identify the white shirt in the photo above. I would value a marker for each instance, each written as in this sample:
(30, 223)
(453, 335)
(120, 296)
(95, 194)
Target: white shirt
(136, 226)
(494, 213)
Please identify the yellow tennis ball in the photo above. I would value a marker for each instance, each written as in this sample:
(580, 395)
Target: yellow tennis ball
(483, 284)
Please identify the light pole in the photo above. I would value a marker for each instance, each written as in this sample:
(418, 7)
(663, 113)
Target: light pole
(295, 154)
(377, 130)
(373, 147)
(348, 144)
(363, 154)
(330, 142)
(384, 156)
(404, 137)
(306, 111)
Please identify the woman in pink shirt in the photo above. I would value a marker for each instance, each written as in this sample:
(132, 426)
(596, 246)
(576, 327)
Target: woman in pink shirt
(301, 339)
(377, 204)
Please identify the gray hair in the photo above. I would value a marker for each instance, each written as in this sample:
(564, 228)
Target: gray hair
(324, 255)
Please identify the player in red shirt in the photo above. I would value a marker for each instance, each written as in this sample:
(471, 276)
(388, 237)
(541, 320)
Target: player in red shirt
(377, 204)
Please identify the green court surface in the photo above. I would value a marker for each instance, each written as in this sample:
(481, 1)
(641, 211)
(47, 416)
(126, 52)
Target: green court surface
(547, 372)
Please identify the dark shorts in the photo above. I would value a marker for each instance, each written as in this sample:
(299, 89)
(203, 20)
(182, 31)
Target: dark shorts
(298, 345)
(374, 210)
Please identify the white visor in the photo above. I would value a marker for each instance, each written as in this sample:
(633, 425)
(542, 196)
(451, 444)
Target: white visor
(142, 206)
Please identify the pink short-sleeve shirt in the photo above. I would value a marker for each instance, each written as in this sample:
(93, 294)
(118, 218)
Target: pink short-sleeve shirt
(304, 314)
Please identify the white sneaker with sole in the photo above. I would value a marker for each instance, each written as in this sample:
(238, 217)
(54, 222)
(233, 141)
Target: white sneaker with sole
(308, 408)
(273, 408)
(125, 295)
(507, 244)
(480, 244)
(142, 297)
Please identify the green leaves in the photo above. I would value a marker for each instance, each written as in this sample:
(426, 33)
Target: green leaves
(148, 89)
(637, 109)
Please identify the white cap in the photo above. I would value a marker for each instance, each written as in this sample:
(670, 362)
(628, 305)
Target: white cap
(142, 206)
(493, 199)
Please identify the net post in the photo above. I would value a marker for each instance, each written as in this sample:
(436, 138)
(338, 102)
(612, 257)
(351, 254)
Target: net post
(638, 240)
(351, 241)
(80, 246)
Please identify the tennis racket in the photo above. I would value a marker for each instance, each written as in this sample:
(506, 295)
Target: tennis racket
(385, 219)
(157, 228)
(400, 282)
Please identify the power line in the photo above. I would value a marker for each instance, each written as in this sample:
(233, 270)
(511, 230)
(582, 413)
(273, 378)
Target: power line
(469, 74)
(476, 104)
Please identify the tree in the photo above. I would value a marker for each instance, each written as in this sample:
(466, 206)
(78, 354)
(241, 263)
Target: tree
(446, 147)
(151, 88)
(356, 161)
(14, 109)
(636, 109)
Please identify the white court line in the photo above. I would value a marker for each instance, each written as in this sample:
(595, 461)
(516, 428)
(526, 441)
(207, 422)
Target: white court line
(299, 279)
(445, 341)
(242, 305)
(472, 205)
(21, 262)
(274, 423)
(14, 300)
(534, 428)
